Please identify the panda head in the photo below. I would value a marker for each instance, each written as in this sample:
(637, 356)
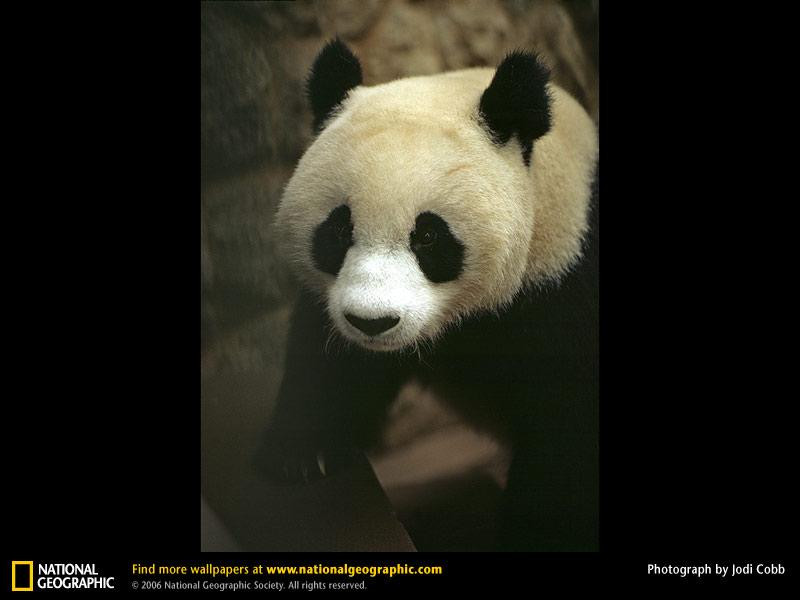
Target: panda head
(413, 206)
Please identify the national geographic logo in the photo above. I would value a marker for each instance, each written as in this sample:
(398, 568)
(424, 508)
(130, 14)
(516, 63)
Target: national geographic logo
(57, 576)
(21, 575)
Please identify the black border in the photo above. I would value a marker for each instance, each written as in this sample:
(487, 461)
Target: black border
(102, 234)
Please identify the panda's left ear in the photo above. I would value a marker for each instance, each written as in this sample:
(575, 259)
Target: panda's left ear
(335, 72)
(517, 101)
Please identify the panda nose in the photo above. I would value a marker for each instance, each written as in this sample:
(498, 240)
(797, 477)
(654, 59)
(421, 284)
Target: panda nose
(372, 326)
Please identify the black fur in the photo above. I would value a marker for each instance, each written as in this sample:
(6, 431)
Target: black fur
(529, 375)
(517, 102)
(332, 238)
(335, 72)
(441, 259)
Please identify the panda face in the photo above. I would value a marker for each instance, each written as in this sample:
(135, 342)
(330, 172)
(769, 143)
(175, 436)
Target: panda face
(405, 216)
(424, 200)
(388, 296)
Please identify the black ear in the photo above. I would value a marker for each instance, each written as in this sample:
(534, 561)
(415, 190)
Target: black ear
(517, 102)
(336, 71)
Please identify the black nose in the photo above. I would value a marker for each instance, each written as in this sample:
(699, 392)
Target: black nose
(372, 326)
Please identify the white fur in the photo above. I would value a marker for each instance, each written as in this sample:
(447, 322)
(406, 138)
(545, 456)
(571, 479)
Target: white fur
(415, 145)
(375, 283)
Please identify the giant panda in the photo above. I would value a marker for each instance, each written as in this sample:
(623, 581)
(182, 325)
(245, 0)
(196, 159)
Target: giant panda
(441, 228)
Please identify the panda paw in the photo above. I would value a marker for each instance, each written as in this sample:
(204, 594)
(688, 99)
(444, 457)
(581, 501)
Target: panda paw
(289, 460)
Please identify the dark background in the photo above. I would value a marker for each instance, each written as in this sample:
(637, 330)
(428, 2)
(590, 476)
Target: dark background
(101, 238)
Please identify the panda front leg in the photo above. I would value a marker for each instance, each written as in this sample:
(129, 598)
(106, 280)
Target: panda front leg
(552, 499)
(330, 404)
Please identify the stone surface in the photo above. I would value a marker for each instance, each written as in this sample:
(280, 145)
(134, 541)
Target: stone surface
(236, 78)
(243, 276)
(404, 43)
(350, 19)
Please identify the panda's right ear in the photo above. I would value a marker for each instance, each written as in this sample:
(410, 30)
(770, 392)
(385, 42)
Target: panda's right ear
(335, 72)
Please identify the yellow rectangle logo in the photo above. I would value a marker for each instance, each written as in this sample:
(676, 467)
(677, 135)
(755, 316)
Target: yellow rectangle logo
(20, 564)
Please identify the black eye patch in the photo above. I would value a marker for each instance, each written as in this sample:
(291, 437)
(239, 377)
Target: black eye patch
(439, 253)
(332, 238)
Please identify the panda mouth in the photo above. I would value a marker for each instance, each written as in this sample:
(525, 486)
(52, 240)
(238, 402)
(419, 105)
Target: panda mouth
(383, 342)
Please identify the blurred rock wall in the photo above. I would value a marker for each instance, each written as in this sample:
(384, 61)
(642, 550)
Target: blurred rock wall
(255, 123)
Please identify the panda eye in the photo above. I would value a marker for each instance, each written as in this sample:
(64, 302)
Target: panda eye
(425, 237)
(344, 234)
(440, 254)
(332, 239)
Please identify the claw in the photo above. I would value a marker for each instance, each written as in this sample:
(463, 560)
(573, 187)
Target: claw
(321, 463)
